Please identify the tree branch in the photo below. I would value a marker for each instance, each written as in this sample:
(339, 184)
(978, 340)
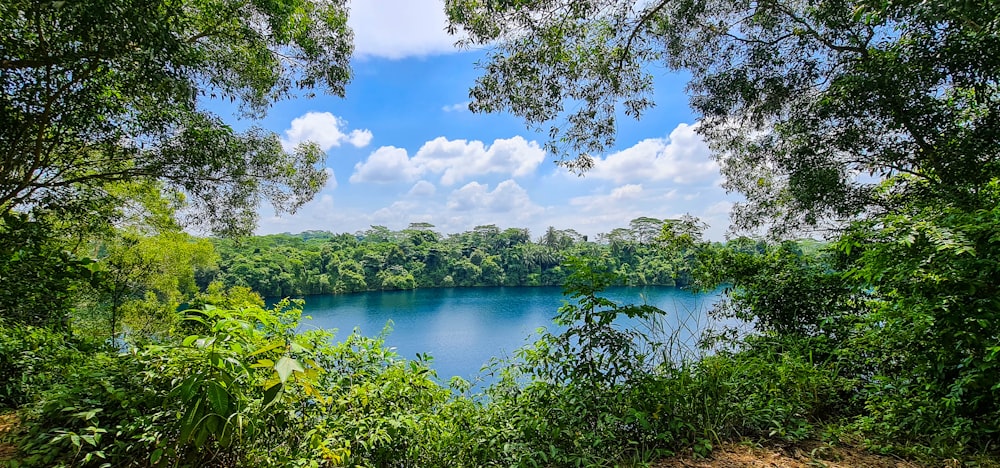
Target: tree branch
(635, 31)
(812, 31)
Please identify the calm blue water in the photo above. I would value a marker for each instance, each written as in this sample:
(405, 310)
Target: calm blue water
(462, 328)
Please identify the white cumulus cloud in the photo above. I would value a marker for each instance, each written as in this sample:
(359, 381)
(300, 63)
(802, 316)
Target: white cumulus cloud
(454, 160)
(422, 189)
(387, 164)
(325, 129)
(460, 159)
(682, 158)
(396, 214)
(506, 197)
(360, 138)
(622, 200)
(626, 192)
(395, 29)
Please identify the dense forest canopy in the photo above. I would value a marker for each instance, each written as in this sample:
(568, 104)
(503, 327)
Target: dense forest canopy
(318, 262)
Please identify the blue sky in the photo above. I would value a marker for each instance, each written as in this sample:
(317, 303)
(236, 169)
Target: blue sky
(402, 147)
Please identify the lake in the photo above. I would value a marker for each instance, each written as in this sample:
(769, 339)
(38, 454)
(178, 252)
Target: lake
(462, 328)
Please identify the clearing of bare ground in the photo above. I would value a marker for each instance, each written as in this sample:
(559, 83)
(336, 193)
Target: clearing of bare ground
(802, 455)
(7, 423)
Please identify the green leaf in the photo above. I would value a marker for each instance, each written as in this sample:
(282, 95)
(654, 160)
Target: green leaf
(218, 397)
(286, 366)
(196, 319)
(263, 363)
(190, 421)
(213, 423)
(204, 342)
(187, 388)
(201, 437)
(265, 349)
(154, 458)
(271, 394)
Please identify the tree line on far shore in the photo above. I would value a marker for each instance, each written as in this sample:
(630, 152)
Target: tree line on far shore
(319, 262)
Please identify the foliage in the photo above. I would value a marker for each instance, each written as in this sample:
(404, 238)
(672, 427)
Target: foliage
(795, 98)
(33, 358)
(40, 276)
(591, 350)
(144, 279)
(775, 387)
(903, 311)
(875, 119)
(240, 386)
(380, 259)
(933, 332)
(245, 389)
(781, 289)
(871, 121)
(594, 394)
(97, 92)
(576, 407)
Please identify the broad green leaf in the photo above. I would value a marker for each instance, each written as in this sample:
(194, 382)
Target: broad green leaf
(271, 394)
(188, 388)
(263, 363)
(218, 397)
(190, 421)
(285, 366)
(201, 437)
(265, 349)
(154, 458)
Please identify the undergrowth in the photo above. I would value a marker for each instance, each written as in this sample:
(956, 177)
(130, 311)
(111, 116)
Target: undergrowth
(243, 387)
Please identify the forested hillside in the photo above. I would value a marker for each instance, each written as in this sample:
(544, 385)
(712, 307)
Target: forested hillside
(418, 257)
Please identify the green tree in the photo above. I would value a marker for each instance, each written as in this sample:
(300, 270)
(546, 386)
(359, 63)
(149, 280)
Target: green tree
(143, 280)
(795, 98)
(646, 229)
(40, 276)
(96, 92)
(874, 121)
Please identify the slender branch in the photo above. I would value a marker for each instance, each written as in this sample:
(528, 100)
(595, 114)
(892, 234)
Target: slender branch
(892, 167)
(33, 63)
(758, 41)
(206, 33)
(626, 51)
(40, 157)
(812, 31)
(127, 174)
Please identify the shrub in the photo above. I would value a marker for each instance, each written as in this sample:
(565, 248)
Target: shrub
(32, 359)
(245, 389)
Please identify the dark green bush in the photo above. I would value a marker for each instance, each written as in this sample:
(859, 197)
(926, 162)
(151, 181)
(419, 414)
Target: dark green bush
(246, 391)
(39, 276)
(34, 358)
(933, 337)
